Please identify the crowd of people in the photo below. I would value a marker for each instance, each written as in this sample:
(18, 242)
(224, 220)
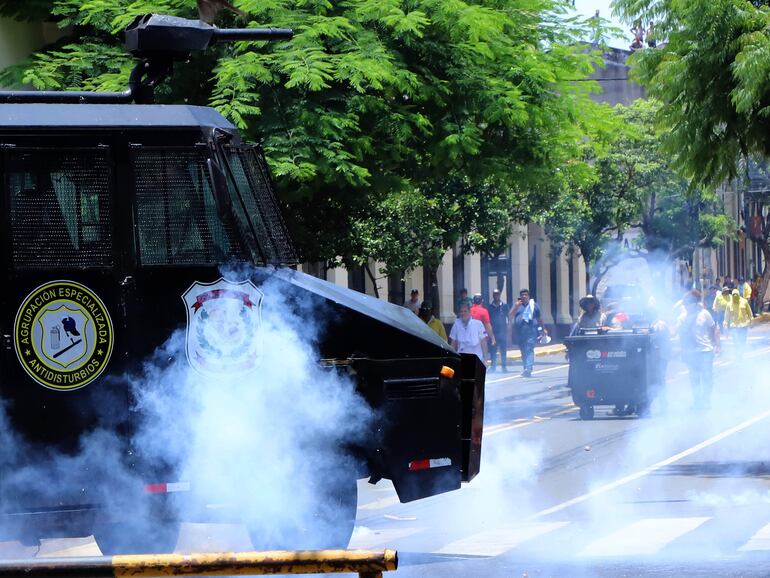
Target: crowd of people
(698, 320)
(732, 306)
(486, 330)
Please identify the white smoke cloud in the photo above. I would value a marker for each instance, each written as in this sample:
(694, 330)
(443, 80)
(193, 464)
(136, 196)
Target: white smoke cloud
(269, 446)
(267, 449)
(517, 480)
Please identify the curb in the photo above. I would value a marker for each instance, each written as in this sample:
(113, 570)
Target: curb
(561, 348)
(542, 351)
(763, 318)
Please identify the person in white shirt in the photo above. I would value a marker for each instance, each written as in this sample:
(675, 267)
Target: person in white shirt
(468, 335)
(414, 302)
(699, 337)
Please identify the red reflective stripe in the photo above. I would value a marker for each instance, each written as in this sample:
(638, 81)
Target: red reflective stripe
(155, 488)
(419, 465)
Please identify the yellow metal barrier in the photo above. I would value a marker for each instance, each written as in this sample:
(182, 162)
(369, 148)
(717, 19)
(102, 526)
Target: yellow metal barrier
(366, 563)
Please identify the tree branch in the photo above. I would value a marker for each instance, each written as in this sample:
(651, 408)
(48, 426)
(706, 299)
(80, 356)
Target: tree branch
(372, 279)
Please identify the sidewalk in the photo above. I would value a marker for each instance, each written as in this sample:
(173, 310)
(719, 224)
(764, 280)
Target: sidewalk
(514, 354)
(540, 350)
(763, 318)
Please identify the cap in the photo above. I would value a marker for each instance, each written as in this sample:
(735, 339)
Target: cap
(725, 289)
(495, 291)
(477, 298)
(426, 306)
(736, 292)
(587, 301)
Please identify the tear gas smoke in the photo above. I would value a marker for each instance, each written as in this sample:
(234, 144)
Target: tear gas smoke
(269, 444)
(266, 449)
(523, 474)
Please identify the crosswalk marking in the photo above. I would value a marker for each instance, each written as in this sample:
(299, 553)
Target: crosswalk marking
(646, 536)
(759, 541)
(499, 540)
(65, 547)
(380, 504)
(365, 538)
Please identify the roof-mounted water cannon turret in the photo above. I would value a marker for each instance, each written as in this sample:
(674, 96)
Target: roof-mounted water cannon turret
(158, 41)
(156, 33)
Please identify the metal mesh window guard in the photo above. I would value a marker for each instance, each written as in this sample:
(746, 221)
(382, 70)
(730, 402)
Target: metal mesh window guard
(249, 171)
(60, 207)
(177, 217)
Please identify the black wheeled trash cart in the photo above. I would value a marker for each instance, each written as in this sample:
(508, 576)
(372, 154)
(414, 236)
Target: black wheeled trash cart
(618, 368)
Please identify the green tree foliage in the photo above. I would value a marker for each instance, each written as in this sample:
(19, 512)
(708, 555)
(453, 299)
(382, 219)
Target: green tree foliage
(636, 188)
(710, 76)
(394, 128)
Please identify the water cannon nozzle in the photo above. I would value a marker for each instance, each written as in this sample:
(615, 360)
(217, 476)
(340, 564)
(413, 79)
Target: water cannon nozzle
(175, 38)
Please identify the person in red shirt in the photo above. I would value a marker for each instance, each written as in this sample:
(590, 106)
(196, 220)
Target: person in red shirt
(478, 311)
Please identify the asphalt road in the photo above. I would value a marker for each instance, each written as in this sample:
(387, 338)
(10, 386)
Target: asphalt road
(680, 492)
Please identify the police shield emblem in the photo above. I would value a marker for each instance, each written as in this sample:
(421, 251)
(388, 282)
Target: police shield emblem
(223, 327)
(64, 335)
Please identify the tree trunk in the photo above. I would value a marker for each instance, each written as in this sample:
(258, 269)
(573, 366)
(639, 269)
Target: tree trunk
(434, 292)
(765, 246)
(372, 279)
(597, 276)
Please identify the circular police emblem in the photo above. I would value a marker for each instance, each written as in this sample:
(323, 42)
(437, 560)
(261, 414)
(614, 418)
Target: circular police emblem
(63, 335)
(223, 327)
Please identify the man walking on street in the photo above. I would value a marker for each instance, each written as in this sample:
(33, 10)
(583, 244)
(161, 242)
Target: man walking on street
(721, 300)
(426, 314)
(479, 312)
(499, 313)
(528, 323)
(744, 288)
(468, 335)
(463, 300)
(414, 302)
(591, 317)
(756, 306)
(699, 336)
(737, 320)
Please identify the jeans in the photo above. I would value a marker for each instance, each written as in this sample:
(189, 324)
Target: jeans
(701, 367)
(502, 346)
(527, 347)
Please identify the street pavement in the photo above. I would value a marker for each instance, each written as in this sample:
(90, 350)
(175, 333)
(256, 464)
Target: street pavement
(680, 492)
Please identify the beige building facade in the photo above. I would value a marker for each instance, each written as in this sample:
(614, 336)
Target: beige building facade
(19, 39)
(556, 281)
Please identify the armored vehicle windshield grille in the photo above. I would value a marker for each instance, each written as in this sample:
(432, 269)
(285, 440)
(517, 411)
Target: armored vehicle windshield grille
(248, 170)
(177, 216)
(60, 207)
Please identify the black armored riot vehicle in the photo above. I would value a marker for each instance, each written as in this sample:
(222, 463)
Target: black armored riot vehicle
(117, 215)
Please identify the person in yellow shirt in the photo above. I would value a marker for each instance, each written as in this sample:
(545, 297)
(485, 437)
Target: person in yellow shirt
(426, 314)
(744, 289)
(738, 319)
(720, 304)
